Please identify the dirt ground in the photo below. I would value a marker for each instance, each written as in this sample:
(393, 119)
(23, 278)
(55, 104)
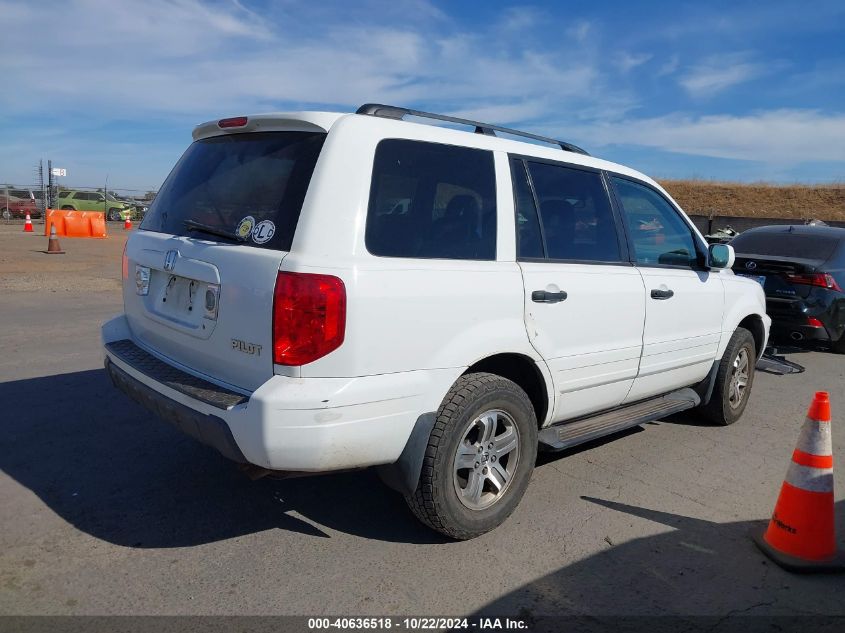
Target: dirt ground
(759, 200)
(88, 265)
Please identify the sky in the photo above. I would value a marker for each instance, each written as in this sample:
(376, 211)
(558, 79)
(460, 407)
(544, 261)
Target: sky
(736, 91)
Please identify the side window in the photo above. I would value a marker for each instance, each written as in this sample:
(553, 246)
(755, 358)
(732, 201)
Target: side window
(429, 200)
(659, 235)
(529, 240)
(575, 212)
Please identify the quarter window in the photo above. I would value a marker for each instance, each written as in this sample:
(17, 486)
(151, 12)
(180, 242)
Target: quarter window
(429, 200)
(659, 236)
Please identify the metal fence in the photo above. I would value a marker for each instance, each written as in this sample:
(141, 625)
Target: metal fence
(19, 199)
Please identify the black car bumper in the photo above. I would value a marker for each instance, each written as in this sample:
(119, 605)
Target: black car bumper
(208, 429)
(784, 330)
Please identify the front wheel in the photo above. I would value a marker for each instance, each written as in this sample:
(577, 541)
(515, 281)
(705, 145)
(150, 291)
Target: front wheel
(479, 458)
(734, 379)
(7, 215)
(114, 215)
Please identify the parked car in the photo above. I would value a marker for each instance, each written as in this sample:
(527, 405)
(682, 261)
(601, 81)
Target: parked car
(139, 209)
(802, 269)
(94, 201)
(316, 292)
(17, 202)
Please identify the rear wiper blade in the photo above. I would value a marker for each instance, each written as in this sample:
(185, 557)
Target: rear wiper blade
(212, 230)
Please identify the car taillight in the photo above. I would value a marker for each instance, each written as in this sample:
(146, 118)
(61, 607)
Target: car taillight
(237, 121)
(309, 317)
(822, 280)
(814, 322)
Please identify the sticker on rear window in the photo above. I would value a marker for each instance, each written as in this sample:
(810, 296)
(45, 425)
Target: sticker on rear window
(263, 232)
(245, 227)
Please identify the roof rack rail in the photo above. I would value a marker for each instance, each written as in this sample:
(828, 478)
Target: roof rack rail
(395, 112)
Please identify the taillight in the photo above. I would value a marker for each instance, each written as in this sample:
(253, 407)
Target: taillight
(813, 321)
(237, 121)
(309, 317)
(822, 280)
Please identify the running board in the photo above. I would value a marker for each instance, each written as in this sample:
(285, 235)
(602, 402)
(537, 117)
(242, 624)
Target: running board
(571, 433)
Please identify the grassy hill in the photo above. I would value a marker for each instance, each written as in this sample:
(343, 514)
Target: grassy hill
(759, 200)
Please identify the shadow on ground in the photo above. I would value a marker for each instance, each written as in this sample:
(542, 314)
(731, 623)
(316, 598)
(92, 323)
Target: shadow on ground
(697, 567)
(105, 465)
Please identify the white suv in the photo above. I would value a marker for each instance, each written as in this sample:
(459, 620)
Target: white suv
(318, 292)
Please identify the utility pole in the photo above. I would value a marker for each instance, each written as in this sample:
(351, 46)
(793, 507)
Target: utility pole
(50, 200)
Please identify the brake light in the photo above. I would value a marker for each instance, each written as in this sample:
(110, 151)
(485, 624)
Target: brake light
(237, 121)
(814, 322)
(309, 317)
(822, 280)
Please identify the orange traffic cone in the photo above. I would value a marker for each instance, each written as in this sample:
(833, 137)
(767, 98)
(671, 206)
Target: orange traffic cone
(127, 224)
(801, 535)
(53, 247)
(27, 225)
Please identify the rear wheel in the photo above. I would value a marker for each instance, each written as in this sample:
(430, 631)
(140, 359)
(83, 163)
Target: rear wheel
(7, 215)
(479, 458)
(734, 379)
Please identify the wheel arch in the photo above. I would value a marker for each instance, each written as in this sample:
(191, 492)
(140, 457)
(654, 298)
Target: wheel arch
(754, 324)
(526, 373)
(532, 376)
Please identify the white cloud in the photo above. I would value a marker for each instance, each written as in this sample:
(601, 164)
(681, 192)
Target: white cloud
(580, 31)
(776, 136)
(628, 61)
(669, 66)
(720, 72)
(186, 57)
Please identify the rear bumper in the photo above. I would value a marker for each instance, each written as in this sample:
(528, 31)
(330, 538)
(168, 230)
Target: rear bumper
(208, 429)
(293, 424)
(786, 330)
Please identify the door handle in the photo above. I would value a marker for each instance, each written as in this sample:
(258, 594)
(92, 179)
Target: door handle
(542, 296)
(657, 293)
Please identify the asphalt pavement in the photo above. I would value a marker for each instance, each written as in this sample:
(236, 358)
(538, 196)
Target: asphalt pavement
(107, 510)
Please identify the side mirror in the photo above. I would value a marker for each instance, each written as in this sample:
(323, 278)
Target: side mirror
(721, 256)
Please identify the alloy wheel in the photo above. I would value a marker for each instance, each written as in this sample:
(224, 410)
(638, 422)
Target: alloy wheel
(739, 378)
(486, 459)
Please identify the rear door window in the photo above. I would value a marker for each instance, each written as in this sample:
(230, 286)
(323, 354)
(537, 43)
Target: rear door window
(248, 184)
(430, 200)
(576, 220)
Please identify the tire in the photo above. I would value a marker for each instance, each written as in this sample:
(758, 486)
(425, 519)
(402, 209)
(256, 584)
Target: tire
(114, 215)
(724, 407)
(838, 347)
(444, 498)
(7, 215)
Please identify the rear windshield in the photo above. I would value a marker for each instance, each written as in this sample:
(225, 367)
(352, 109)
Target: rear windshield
(785, 244)
(251, 185)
